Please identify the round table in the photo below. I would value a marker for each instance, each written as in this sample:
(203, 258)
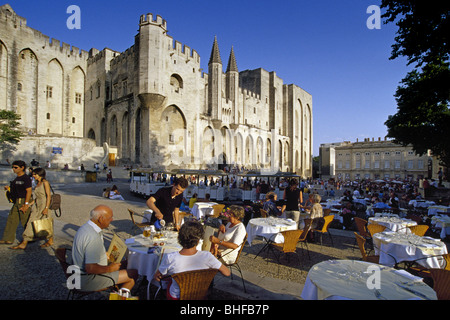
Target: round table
(269, 228)
(359, 280)
(395, 247)
(145, 257)
(394, 223)
(441, 222)
(202, 209)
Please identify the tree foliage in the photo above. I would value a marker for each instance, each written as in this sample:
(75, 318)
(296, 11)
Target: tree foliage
(423, 114)
(9, 128)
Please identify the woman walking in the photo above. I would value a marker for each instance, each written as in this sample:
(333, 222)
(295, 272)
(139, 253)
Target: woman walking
(39, 208)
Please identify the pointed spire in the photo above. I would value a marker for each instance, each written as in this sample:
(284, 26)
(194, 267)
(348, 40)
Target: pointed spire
(232, 65)
(215, 54)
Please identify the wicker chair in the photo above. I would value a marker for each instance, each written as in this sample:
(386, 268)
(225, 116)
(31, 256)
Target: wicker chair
(291, 238)
(303, 236)
(375, 228)
(415, 268)
(419, 229)
(194, 285)
(235, 264)
(217, 210)
(441, 283)
(137, 224)
(328, 219)
(365, 257)
(264, 213)
(361, 225)
(60, 254)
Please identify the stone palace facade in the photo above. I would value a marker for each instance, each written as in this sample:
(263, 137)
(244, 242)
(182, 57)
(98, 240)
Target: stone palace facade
(150, 105)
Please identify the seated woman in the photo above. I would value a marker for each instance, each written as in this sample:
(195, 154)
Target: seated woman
(270, 205)
(316, 212)
(188, 258)
(192, 200)
(231, 237)
(114, 194)
(307, 205)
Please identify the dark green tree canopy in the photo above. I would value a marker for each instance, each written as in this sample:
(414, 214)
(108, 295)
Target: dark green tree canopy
(9, 132)
(423, 116)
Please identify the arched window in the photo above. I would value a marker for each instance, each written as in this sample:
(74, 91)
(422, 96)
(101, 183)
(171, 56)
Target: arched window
(176, 82)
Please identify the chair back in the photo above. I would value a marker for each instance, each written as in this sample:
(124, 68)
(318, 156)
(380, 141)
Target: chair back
(375, 228)
(241, 248)
(194, 284)
(291, 238)
(361, 225)
(447, 261)
(328, 219)
(419, 229)
(264, 213)
(441, 283)
(217, 210)
(132, 216)
(361, 244)
(60, 254)
(306, 229)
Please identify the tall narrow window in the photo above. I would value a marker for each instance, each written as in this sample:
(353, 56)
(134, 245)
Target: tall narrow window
(49, 92)
(78, 98)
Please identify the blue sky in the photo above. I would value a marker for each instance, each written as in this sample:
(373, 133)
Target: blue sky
(322, 46)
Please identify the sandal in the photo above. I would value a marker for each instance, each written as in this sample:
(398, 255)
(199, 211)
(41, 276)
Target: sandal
(17, 248)
(45, 245)
(5, 242)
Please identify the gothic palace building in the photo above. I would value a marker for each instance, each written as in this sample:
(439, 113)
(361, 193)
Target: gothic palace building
(150, 105)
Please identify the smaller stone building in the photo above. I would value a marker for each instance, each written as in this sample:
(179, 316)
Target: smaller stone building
(373, 159)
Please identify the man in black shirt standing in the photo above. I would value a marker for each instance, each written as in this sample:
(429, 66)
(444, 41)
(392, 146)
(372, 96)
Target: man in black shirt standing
(166, 202)
(21, 190)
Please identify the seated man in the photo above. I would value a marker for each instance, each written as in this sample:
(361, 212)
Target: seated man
(89, 254)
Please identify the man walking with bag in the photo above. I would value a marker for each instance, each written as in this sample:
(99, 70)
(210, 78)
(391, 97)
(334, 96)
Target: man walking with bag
(21, 190)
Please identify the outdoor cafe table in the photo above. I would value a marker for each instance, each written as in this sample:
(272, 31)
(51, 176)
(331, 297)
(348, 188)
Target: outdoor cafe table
(202, 209)
(393, 223)
(269, 228)
(433, 210)
(391, 245)
(441, 222)
(353, 280)
(145, 257)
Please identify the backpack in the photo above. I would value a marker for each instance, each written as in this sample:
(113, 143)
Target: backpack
(55, 203)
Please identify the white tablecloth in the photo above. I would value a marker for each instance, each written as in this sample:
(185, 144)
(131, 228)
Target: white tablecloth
(394, 223)
(421, 203)
(144, 262)
(349, 279)
(441, 222)
(391, 245)
(433, 210)
(201, 209)
(269, 228)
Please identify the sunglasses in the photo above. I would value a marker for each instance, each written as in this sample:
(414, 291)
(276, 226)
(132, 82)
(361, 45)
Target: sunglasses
(15, 167)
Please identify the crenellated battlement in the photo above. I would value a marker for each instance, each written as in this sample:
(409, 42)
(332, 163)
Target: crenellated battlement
(250, 94)
(148, 19)
(7, 14)
(183, 51)
(19, 24)
(67, 49)
(123, 56)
